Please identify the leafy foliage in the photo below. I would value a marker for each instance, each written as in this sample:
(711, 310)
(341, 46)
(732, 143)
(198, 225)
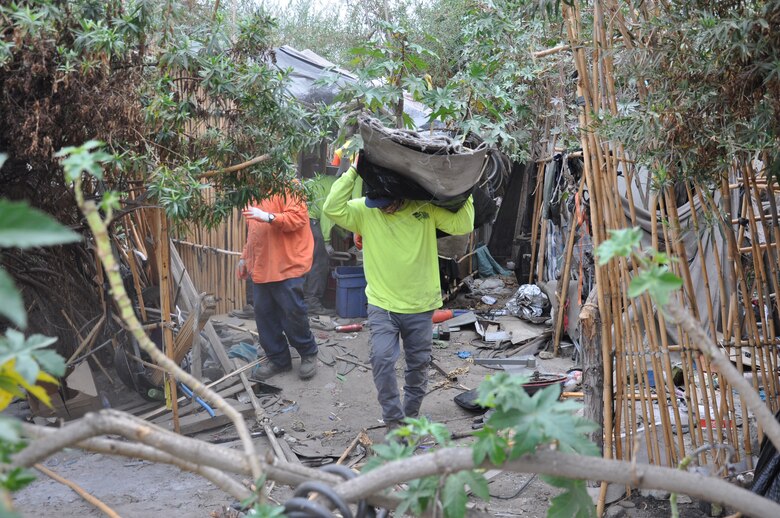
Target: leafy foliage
(24, 362)
(654, 278)
(520, 424)
(708, 86)
(620, 244)
(574, 502)
(528, 421)
(422, 493)
(194, 93)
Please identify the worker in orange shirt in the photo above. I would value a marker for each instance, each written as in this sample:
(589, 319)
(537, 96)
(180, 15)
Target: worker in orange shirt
(277, 256)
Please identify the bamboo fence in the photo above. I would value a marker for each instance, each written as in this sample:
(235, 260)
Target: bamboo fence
(687, 405)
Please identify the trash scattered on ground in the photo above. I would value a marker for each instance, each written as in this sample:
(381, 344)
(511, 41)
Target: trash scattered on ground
(529, 303)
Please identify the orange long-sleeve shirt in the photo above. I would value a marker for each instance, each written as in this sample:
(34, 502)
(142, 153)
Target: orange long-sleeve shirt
(282, 249)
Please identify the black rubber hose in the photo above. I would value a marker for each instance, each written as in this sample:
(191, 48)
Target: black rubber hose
(326, 491)
(347, 474)
(340, 470)
(301, 507)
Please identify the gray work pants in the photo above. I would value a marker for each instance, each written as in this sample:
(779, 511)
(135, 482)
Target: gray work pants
(416, 331)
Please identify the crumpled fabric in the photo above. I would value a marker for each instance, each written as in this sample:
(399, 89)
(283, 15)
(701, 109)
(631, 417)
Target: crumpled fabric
(767, 472)
(529, 303)
(244, 351)
(488, 266)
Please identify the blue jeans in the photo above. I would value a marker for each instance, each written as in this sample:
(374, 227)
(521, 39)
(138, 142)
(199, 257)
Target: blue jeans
(416, 330)
(281, 318)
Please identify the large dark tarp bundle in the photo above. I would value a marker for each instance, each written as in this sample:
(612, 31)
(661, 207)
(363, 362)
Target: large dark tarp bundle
(766, 481)
(406, 164)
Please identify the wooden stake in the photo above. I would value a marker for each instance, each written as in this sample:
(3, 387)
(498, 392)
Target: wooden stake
(103, 508)
(563, 291)
(162, 247)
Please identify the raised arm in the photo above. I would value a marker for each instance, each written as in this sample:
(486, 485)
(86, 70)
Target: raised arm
(337, 206)
(294, 214)
(456, 223)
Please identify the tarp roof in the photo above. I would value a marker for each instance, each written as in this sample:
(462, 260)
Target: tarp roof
(307, 67)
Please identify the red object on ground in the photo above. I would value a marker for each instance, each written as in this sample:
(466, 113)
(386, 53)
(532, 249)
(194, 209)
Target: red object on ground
(440, 315)
(349, 328)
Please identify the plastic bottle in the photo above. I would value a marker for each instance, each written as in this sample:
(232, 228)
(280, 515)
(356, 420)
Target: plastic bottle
(348, 328)
(440, 315)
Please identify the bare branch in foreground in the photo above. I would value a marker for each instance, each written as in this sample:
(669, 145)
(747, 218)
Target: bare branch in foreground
(141, 451)
(372, 484)
(706, 345)
(567, 465)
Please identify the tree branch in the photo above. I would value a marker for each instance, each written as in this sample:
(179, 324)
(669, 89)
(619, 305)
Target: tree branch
(232, 169)
(161, 445)
(141, 451)
(103, 243)
(450, 460)
(706, 345)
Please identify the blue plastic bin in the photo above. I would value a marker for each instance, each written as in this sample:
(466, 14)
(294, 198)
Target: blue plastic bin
(351, 299)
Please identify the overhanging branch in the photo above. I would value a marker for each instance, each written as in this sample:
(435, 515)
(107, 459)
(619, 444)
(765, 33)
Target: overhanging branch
(238, 167)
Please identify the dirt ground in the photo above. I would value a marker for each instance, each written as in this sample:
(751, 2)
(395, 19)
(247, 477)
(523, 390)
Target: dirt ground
(320, 418)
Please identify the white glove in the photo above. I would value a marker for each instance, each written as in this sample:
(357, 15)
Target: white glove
(329, 249)
(256, 214)
(241, 270)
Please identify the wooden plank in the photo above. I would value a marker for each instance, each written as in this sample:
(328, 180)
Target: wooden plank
(220, 387)
(201, 421)
(163, 250)
(189, 296)
(190, 407)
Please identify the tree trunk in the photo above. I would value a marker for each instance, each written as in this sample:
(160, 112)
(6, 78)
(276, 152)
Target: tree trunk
(593, 367)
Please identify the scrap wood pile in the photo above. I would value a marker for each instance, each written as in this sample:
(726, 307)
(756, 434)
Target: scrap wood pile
(139, 238)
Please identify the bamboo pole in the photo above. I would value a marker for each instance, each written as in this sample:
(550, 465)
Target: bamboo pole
(537, 214)
(572, 19)
(563, 291)
(769, 363)
(164, 263)
(102, 507)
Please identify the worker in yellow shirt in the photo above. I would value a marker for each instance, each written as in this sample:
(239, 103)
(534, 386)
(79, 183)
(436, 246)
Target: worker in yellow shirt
(403, 289)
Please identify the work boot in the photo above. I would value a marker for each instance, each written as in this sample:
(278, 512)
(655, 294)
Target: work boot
(308, 367)
(266, 370)
(247, 313)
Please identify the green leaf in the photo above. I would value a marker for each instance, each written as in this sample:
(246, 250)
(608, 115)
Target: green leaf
(10, 430)
(657, 281)
(574, 502)
(491, 445)
(477, 483)
(12, 307)
(26, 351)
(16, 479)
(454, 497)
(620, 244)
(50, 361)
(87, 158)
(23, 226)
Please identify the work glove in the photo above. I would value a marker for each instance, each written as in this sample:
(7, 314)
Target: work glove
(256, 214)
(329, 249)
(241, 270)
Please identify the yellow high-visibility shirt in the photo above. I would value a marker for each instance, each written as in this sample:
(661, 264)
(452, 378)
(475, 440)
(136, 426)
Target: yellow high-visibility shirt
(400, 255)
